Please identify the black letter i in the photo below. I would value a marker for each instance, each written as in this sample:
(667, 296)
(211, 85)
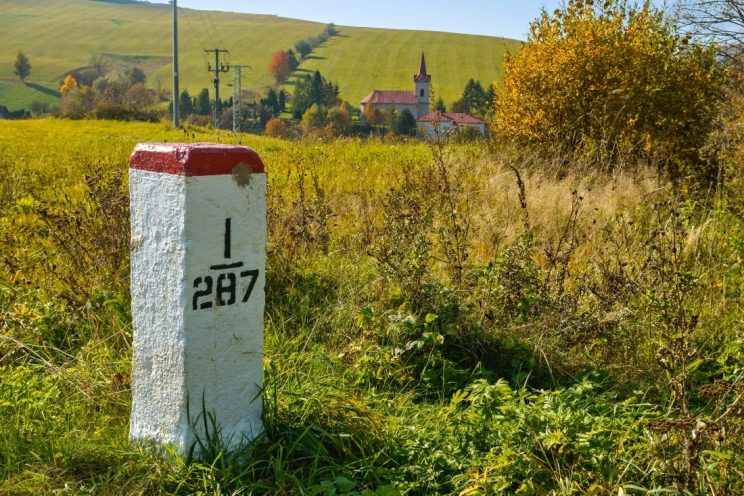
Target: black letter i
(227, 238)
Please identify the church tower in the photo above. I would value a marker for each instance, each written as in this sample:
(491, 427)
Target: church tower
(422, 81)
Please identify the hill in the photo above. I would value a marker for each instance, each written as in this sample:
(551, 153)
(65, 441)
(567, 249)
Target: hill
(59, 36)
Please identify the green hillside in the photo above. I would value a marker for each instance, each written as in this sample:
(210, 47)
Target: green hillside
(59, 36)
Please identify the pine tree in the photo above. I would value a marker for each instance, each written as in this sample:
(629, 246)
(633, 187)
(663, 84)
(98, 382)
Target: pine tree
(203, 105)
(185, 103)
(22, 66)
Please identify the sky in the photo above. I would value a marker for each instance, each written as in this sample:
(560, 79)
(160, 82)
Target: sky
(507, 18)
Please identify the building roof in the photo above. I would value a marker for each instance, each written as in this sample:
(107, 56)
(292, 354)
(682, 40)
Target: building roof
(455, 117)
(391, 97)
(422, 76)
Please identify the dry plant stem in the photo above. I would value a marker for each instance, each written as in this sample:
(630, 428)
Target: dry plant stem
(454, 209)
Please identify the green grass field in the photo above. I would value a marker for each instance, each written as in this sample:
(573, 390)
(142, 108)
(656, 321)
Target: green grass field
(59, 36)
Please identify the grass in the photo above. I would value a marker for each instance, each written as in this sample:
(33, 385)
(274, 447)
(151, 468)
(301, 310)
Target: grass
(384, 373)
(363, 59)
(61, 36)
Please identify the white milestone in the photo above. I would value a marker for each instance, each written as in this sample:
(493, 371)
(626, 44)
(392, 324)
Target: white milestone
(198, 214)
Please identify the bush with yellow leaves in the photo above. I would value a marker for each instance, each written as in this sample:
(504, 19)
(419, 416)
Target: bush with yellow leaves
(611, 83)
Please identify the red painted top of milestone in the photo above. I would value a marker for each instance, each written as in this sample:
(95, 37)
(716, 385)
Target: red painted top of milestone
(193, 159)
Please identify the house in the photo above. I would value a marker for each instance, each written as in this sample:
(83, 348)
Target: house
(437, 123)
(417, 102)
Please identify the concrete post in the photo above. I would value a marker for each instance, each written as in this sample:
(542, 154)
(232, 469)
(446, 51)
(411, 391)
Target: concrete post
(198, 264)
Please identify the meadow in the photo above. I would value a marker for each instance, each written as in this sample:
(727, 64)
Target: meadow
(440, 320)
(360, 59)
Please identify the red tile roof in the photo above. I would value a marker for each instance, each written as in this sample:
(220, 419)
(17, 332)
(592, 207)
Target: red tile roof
(391, 97)
(456, 117)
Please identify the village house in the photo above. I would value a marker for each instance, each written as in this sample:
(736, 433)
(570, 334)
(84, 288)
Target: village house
(417, 102)
(437, 122)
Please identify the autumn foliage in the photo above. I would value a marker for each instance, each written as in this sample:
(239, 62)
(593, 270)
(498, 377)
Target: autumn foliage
(69, 84)
(610, 82)
(277, 128)
(279, 66)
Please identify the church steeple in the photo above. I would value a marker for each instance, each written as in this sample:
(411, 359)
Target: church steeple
(422, 76)
(422, 86)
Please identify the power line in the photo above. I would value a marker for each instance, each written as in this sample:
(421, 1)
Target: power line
(214, 28)
(210, 38)
(194, 32)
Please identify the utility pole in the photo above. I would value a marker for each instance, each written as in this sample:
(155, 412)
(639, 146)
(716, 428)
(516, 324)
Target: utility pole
(175, 65)
(237, 103)
(217, 69)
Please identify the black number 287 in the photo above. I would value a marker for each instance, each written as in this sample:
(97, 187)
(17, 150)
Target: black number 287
(226, 289)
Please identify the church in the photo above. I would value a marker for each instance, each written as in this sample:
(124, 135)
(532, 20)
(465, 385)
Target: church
(417, 102)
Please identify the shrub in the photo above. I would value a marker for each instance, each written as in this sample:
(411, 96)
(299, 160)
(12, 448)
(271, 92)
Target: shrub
(314, 118)
(277, 128)
(610, 81)
(406, 123)
(338, 121)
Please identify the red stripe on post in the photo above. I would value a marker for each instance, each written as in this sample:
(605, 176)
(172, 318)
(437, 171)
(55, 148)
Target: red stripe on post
(193, 159)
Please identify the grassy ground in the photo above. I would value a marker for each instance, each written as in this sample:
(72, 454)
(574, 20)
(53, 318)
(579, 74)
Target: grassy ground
(365, 59)
(418, 341)
(60, 36)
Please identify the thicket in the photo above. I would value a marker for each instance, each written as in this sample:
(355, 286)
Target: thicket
(120, 95)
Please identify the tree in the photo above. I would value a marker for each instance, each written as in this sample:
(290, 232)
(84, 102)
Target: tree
(608, 81)
(313, 90)
(272, 102)
(406, 123)
(98, 63)
(277, 128)
(721, 21)
(22, 66)
(460, 106)
(390, 118)
(475, 98)
(136, 75)
(338, 121)
(439, 106)
(68, 85)
(372, 115)
(292, 61)
(301, 99)
(185, 103)
(77, 102)
(313, 118)
(279, 67)
(330, 29)
(137, 98)
(203, 105)
(316, 88)
(282, 100)
(303, 48)
(490, 96)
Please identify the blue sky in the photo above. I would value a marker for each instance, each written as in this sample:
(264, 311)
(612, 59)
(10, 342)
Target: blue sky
(508, 18)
